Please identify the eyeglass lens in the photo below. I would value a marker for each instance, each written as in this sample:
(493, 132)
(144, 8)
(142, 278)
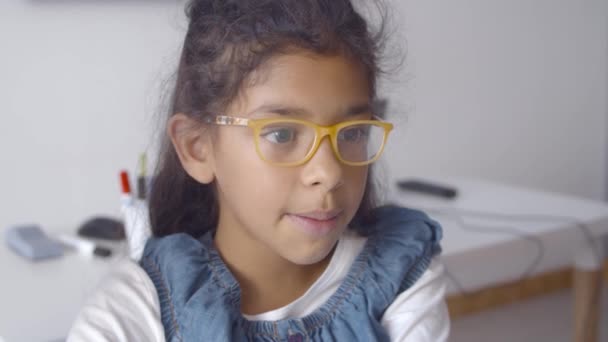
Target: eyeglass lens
(290, 142)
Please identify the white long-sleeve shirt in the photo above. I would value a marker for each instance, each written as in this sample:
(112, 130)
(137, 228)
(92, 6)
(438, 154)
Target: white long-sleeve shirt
(126, 306)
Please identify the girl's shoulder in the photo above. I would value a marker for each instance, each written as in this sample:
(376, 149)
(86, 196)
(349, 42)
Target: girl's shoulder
(420, 313)
(400, 246)
(124, 307)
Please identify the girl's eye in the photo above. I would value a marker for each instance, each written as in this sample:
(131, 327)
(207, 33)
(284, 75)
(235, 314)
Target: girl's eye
(280, 135)
(354, 134)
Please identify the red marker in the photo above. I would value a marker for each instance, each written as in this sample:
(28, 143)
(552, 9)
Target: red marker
(124, 181)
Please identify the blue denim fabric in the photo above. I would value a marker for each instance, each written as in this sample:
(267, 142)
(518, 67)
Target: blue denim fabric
(200, 298)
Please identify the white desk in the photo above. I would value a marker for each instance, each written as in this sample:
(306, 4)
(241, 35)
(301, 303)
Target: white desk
(39, 301)
(492, 254)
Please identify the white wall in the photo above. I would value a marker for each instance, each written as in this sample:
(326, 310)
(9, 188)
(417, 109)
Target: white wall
(79, 84)
(508, 90)
(513, 91)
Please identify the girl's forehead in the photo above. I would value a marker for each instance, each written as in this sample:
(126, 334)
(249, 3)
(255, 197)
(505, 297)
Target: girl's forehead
(304, 84)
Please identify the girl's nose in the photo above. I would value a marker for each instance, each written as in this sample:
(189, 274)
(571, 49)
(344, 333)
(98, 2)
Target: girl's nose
(323, 169)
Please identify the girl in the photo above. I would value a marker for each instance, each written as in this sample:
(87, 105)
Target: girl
(262, 212)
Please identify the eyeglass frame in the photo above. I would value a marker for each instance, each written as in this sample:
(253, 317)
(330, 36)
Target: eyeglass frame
(320, 133)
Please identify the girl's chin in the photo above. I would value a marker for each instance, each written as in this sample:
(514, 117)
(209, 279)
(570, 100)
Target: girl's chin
(311, 255)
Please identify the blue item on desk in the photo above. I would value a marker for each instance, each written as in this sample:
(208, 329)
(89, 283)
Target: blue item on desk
(31, 242)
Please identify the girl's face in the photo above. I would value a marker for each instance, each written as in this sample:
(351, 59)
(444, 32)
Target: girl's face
(295, 213)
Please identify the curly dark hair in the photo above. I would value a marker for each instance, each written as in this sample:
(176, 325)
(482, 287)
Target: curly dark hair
(226, 41)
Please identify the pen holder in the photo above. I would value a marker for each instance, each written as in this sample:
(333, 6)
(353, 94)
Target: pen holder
(137, 226)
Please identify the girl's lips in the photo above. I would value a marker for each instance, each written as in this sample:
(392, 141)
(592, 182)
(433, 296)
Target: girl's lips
(321, 215)
(316, 224)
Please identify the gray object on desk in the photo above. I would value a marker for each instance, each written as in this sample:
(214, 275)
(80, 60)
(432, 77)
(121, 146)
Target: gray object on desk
(31, 242)
(100, 227)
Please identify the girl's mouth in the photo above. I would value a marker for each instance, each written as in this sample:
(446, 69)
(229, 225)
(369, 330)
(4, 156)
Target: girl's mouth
(317, 223)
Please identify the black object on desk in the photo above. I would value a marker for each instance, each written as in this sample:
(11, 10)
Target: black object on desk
(101, 227)
(428, 187)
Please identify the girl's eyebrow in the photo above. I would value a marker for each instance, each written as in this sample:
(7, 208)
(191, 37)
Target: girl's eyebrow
(279, 109)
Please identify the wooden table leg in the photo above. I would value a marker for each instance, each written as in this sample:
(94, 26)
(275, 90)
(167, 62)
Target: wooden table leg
(587, 286)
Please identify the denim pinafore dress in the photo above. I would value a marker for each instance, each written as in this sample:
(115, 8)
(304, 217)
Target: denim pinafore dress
(200, 298)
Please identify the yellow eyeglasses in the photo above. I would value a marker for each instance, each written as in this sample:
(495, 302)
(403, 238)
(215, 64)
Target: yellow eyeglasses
(292, 142)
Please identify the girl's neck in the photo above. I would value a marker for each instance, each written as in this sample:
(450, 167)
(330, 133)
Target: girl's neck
(267, 281)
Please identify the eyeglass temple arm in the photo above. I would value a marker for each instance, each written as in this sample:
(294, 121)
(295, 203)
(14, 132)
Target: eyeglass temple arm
(224, 120)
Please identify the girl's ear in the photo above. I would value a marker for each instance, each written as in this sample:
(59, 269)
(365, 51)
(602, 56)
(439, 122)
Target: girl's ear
(193, 147)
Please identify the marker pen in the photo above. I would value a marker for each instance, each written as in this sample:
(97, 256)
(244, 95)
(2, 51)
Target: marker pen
(124, 182)
(141, 178)
(83, 246)
(125, 197)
